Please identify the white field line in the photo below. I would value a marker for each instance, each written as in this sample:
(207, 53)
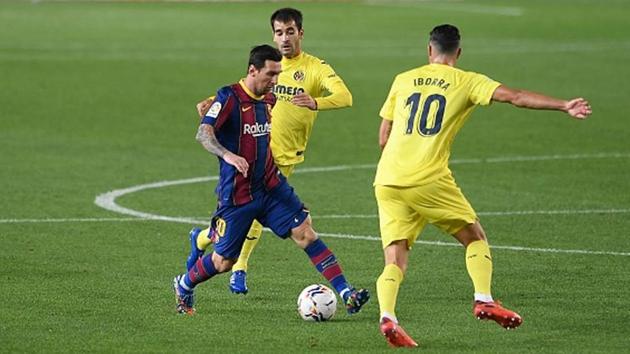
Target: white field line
(203, 220)
(188, 220)
(108, 201)
(453, 244)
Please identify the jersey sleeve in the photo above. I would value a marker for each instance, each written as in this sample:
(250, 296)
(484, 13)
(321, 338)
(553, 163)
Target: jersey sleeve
(222, 105)
(387, 111)
(482, 89)
(339, 96)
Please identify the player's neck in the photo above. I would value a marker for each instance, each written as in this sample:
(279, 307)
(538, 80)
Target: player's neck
(295, 55)
(443, 59)
(248, 84)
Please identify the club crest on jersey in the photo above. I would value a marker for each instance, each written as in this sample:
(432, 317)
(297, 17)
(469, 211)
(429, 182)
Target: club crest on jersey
(257, 129)
(298, 76)
(214, 110)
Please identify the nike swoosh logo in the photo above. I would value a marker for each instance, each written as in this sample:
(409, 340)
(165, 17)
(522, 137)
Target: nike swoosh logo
(251, 238)
(390, 279)
(245, 109)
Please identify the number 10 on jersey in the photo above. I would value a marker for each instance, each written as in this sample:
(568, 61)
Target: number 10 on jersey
(423, 128)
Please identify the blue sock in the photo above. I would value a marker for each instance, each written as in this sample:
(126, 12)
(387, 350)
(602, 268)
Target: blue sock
(326, 263)
(202, 270)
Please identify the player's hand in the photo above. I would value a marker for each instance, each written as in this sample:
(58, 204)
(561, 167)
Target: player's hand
(578, 108)
(237, 161)
(304, 100)
(203, 107)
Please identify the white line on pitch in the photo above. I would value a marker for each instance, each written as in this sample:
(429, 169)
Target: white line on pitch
(453, 244)
(203, 220)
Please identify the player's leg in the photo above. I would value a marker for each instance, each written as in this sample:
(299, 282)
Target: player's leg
(399, 227)
(326, 263)
(238, 280)
(230, 225)
(452, 212)
(199, 242)
(479, 266)
(286, 216)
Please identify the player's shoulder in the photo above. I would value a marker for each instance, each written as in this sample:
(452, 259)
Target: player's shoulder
(469, 74)
(226, 91)
(314, 61)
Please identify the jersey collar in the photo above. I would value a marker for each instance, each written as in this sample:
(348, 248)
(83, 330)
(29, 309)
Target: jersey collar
(290, 61)
(248, 92)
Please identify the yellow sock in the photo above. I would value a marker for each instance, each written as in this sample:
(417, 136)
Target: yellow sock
(203, 241)
(479, 265)
(387, 287)
(254, 234)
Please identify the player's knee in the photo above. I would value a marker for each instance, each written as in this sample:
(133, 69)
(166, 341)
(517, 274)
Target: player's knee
(470, 233)
(222, 264)
(304, 235)
(397, 253)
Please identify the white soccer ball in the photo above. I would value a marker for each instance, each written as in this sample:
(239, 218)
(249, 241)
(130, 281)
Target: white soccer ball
(317, 303)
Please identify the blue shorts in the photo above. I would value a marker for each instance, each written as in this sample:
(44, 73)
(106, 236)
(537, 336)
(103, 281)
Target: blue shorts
(279, 209)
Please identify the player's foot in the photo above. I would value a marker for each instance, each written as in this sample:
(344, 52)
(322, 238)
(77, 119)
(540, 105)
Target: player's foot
(494, 311)
(195, 253)
(356, 300)
(238, 282)
(396, 335)
(185, 299)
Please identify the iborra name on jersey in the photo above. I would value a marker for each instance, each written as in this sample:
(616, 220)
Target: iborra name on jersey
(428, 81)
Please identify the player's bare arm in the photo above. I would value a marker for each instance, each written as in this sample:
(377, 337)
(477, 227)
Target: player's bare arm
(205, 135)
(578, 108)
(203, 107)
(384, 131)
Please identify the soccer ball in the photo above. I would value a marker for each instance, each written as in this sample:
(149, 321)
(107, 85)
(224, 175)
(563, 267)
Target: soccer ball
(317, 303)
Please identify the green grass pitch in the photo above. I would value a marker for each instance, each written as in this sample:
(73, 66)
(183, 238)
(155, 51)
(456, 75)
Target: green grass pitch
(96, 97)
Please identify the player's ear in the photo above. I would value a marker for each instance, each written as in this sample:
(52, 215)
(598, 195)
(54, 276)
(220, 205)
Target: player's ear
(301, 33)
(459, 52)
(251, 70)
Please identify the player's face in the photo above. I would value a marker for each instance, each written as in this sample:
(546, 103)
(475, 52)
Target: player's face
(266, 77)
(288, 38)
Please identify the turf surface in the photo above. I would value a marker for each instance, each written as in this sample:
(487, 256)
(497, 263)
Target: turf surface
(100, 96)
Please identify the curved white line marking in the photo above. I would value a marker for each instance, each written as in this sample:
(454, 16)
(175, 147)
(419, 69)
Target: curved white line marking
(108, 200)
(203, 220)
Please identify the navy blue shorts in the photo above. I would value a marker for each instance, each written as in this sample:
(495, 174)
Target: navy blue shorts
(280, 210)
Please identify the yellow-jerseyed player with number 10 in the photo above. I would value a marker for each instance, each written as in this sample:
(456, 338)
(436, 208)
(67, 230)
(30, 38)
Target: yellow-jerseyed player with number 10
(306, 85)
(423, 112)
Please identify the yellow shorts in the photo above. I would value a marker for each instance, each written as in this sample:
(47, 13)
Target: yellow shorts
(286, 170)
(404, 211)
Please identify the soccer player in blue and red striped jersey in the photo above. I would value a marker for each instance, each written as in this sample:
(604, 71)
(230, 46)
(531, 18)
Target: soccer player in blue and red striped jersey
(237, 129)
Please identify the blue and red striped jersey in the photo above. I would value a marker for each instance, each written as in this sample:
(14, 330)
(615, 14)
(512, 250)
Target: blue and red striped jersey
(242, 124)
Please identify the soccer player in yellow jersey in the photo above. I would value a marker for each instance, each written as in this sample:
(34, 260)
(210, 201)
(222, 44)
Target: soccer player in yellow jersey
(423, 112)
(306, 85)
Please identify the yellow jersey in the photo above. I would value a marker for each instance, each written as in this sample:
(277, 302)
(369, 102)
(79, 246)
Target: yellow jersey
(428, 105)
(291, 125)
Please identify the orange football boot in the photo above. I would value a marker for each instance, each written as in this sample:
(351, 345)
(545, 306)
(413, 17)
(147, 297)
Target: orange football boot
(396, 335)
(494, 311)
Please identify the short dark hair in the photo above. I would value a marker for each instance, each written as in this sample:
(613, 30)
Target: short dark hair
(286, 15)
(445, 38)
(261, 53)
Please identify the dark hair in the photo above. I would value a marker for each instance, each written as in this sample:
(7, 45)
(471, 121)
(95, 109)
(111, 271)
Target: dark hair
(286, 15)
(259, 54)
(445, 38)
